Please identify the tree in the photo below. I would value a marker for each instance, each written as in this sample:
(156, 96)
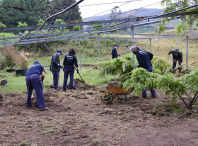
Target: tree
(2, 25)
(41, 22)
(20, 24)
(59, 5)
(187, 21)
(115, 13)
(12, 15)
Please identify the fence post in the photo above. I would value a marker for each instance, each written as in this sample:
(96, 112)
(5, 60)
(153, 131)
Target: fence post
(150, 45)
(126, 47)
(133, 45)
(186, 51)
(99, 46)
(80, 53)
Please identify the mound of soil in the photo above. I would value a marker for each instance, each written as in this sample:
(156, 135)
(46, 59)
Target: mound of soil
(1, 96)
(179, 72)
(81, 85)
(113, 84)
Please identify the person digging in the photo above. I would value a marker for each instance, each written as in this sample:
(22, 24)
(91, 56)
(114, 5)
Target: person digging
(55, 68)
(68, 67)
(34, 81)
(144, 59)
(114, 51)
(176, 56)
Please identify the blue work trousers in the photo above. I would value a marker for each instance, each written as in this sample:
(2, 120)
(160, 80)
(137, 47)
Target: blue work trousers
(66, 72)
(144, 94)
(34, 82)
(55, 78)
(174, 63)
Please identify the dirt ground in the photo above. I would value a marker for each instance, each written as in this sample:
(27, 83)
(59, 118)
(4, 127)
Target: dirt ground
(78, 118)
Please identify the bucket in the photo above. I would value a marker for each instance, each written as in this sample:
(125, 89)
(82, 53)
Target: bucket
(21, 72)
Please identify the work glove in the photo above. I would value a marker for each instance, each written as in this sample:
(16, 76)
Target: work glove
(77, 71)
(60, 66)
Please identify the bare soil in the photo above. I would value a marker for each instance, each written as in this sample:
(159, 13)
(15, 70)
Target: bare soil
(78, 118)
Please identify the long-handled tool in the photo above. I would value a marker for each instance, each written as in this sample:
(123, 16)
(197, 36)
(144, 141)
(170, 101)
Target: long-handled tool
(79, 75)
(126, 74)
(176, 63)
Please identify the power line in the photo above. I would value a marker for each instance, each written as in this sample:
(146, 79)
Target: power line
(132, 9)
(23, 9)
(108, 10)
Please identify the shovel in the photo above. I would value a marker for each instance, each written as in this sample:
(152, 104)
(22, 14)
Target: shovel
(176, 63)
(80, 75)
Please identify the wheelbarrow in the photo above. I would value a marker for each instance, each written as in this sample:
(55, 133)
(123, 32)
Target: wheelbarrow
(112, 92)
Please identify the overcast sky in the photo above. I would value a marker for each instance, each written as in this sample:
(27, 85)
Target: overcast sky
(88, 11)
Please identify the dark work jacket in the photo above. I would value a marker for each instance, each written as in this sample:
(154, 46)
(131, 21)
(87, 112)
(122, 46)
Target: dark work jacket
(69, 61)
(55, 61)
(179, 55)
(114, 53)
(144, 58)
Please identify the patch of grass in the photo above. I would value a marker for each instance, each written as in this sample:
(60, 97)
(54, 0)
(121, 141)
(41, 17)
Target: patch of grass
(166, 109)
(95, 141)
(23, 143)
(47, 133)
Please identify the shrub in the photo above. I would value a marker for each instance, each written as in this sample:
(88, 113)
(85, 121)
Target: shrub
(76, 28)
(97, 26)
(8, 57)
(14, 59)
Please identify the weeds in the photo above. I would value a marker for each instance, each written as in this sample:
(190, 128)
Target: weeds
(23, 143)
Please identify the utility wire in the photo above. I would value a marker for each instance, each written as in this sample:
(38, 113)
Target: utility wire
(19, 8)
(131, 9)
(107, 10)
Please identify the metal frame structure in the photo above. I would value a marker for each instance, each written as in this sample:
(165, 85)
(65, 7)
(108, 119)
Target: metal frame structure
(101, 30)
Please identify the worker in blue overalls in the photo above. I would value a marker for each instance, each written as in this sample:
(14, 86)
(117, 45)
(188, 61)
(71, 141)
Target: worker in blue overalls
(144, 59)
(34, 81)
(114, 51)
(68, 67)
(55, 67)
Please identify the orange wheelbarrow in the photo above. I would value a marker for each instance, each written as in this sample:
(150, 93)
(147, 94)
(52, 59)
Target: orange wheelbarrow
(114, 91)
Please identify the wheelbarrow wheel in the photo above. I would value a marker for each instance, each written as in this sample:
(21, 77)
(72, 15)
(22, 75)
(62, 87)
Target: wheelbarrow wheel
(107, 98)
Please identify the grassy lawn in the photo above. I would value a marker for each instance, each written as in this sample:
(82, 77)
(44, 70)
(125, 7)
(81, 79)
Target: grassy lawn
(18, 84)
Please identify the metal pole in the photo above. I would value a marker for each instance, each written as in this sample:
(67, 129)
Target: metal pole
(126, 47)
(80, 53)
(133, 45)
(67, 46)
(150, 45)
(47, 47)
(99, 46)
(186, 51)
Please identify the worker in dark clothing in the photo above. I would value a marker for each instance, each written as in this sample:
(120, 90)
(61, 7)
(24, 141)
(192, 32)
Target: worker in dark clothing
(114, 51)
(68, 67)
(177, 56)
(33, 81)
(144, 59)
(55, 67)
